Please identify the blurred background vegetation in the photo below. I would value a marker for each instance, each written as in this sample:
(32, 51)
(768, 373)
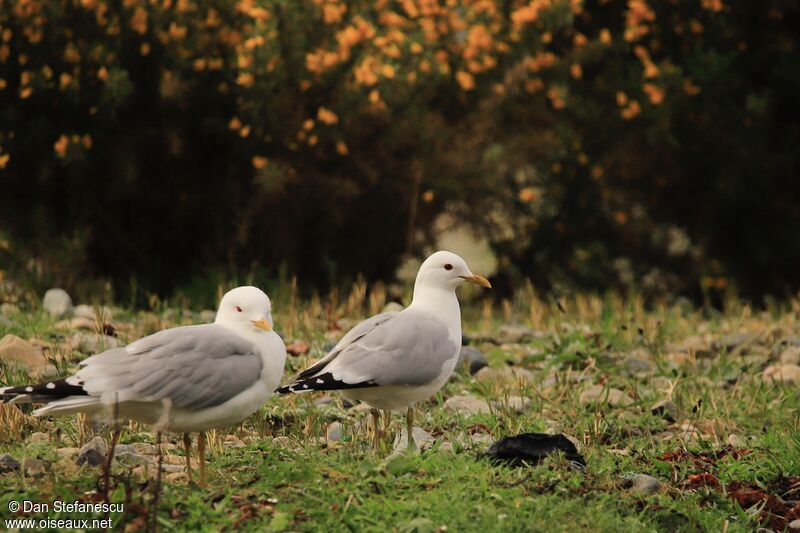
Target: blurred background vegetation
(605, 144)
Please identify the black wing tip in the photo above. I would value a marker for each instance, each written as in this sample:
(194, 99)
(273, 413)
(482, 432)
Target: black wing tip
(45, 391)
(323, 382)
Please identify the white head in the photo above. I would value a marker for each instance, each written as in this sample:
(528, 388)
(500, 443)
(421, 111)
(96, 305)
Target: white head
(245, 307)
(446, 270)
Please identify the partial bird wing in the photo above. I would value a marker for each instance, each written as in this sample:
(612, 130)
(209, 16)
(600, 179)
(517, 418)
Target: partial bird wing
(407, 348)
(194, 367)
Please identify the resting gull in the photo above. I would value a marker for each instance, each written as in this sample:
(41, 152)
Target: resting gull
(184, 379)
(395, 359)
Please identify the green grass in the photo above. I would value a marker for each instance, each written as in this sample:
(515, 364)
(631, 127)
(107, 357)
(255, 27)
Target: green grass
(311, 485)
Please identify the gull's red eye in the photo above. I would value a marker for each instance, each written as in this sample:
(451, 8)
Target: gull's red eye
(238, 309)
(448, 266)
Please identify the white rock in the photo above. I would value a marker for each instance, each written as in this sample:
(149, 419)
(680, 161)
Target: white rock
(515, 403)
(644, 484)
(57, 302)
(466, 405)
(599, 393)
(21, 353)
(88, 312)
(421, 438)
(335, 432)
(784, 373)
(506, 374)
(93, 343)
(791, 356)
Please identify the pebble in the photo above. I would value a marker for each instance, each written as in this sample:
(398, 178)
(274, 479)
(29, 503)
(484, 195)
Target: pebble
(93, 453)
(38, 437)
(422, 438)
(8, 463)
(88, 312)
(516, 333)
(599, 393)
(644, 484)
(472, 358)
(8, 309)
(34, 467)
(126, 454)
(466, 405)
(791, 356)
(506, 374)
(636, 365)
(794, 524)
(335, 432)
(92, 343)
(447, 447)
(298, 347)
(57, 302)
(481, 440)
(67, 453)
(782, 373)
(21, 353)
(666, 409)
(517, 404)
(143, 448)
(732, 341)
(737, 441)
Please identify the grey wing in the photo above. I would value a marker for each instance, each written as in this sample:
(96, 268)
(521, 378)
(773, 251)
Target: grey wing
(193, 366)
(410, 349)
(359, 331)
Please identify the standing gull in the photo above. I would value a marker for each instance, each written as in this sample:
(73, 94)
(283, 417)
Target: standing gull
(184, 379)
(393, 360)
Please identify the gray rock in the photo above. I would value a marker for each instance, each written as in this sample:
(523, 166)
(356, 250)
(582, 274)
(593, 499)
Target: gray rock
(447, 447)
(128, 455)
(92, 343)
(8, 309)
(67, 452)
(636, 365)
(781, 373)
(511, 375)
(643, 484)
(21, 353)
(737, 441)
(335, 432)
(421, 438)
(732, 341)
(791, 356)
(8, 463)
(516, 333)
(143, 448)
(466, 405)
(39, 437)
(34, 467)
(172, 468)
(666, 409)
(88, 312)
(93, 453)
(600, 394)
(57, 302)
(323, 400)
(481, 440)
(472, 358)
(515, 403)
(5, 322)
